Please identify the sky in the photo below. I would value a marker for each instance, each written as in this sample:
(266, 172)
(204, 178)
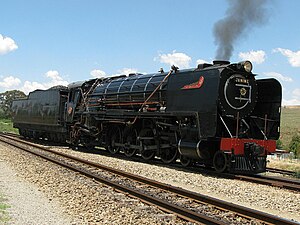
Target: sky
(44, 43)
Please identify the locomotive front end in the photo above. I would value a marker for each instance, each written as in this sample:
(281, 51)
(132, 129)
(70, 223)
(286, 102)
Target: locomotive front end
(249, 119)
(238, 90)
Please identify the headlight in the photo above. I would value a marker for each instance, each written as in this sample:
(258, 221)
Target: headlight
(246, 65)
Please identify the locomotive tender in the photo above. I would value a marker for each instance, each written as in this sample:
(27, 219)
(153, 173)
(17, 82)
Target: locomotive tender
(216, 114)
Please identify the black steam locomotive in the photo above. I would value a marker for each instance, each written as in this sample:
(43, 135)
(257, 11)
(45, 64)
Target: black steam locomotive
(217, 114)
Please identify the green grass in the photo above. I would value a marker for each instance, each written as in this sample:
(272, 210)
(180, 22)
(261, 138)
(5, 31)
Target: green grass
(290, 125)
(4, 217)
(6, 126)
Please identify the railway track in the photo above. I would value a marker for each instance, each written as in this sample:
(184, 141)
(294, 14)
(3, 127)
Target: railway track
(280, 171)
(290, 184)
(150, 191)
(282, 182)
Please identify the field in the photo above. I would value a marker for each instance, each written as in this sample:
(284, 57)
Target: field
(285, 164)
(290, 124)
(6, 126)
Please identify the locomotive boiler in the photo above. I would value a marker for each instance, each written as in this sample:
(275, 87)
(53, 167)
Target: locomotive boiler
(217, 114)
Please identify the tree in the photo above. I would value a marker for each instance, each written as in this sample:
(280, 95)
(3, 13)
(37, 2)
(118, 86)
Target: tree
(6, 99)
(295, 145)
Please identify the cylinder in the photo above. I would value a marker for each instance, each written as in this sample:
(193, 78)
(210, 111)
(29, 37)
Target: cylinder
(189, 149)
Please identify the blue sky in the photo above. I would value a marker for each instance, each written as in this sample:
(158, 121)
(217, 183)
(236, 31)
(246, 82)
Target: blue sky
(50, 42)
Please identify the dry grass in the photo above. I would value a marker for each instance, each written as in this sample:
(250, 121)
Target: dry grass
(285, 164)
(290, 125)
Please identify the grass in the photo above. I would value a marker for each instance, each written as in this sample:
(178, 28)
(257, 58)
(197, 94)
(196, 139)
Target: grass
(285, 164)
(4, 217)
(6, 126)
(290, 125)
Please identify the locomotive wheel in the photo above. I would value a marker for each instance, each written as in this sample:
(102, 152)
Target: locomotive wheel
(147, 154)
(115, 137)
(169, 155)
(220, 161)
(130, 138)
(87, 143)
(185, 161)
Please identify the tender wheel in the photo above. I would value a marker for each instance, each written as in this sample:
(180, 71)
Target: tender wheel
(169, 155)
(185, 161)
(36, 135)
(130, 138)
(115, 137)
(220, 161)
(50, 137)
(55, 137)
(22, 132)
(147, 139)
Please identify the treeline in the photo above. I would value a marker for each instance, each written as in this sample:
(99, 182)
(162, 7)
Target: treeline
(6, 99)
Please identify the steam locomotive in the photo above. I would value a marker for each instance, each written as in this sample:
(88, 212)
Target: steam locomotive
(217, 115)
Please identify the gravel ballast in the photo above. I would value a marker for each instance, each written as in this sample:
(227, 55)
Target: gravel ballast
(82, 199)
(27, 204)
(110, 207)
(273, 200)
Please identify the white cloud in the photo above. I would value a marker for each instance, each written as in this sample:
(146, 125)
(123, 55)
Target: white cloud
(127, 71)
(175, 58)
(253, 56)
(97, 73)
(10, 82)
(7, 45)
(296, 92)
(29, 86)
(55, 80)
(54, 75)
(201, 61)
(293, 101)
(293, 57)
(278, 76)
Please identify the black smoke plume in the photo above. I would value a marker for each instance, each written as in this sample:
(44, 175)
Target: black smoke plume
(241, 17)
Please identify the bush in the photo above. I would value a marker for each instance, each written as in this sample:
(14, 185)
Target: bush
(294, 146)
(279, 144)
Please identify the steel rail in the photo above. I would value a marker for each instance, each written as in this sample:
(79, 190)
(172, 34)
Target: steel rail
(289, 184)
(181, 212)
(244, 211)
(279, 179)
(281, 171)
